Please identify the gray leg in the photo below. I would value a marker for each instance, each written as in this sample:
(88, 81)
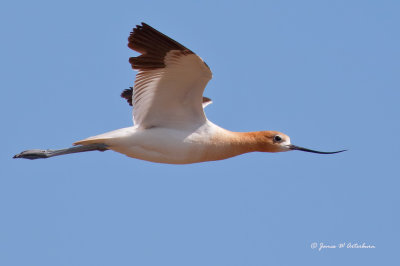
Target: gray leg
(42, 154)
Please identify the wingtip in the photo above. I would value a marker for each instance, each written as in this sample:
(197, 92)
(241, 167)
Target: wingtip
(127, 95)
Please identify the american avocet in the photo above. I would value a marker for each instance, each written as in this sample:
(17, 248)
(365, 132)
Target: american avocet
(169, 122)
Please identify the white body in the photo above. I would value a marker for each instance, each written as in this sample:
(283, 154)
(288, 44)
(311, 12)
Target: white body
(170, 145)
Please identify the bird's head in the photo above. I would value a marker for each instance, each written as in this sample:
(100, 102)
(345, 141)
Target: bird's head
(274, 141)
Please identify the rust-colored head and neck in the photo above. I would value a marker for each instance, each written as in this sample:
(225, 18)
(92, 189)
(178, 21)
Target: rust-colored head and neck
(268, 141)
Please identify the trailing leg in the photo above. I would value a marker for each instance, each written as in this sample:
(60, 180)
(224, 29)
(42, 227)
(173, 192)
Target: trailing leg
(42, 154)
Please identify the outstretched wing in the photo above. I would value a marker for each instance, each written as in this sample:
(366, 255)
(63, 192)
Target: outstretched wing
(169, 87)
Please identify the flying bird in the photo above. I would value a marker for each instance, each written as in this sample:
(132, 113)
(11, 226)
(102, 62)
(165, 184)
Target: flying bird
(170, 125)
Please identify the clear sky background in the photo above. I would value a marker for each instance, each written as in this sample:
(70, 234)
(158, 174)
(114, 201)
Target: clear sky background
(324, 72)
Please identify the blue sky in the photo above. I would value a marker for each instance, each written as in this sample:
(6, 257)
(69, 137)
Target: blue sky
(324, 72)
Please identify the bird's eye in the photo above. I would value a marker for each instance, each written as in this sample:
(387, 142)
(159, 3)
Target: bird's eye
(277, 138)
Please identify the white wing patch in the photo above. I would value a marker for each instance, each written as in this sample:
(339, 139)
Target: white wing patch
(172, 95)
